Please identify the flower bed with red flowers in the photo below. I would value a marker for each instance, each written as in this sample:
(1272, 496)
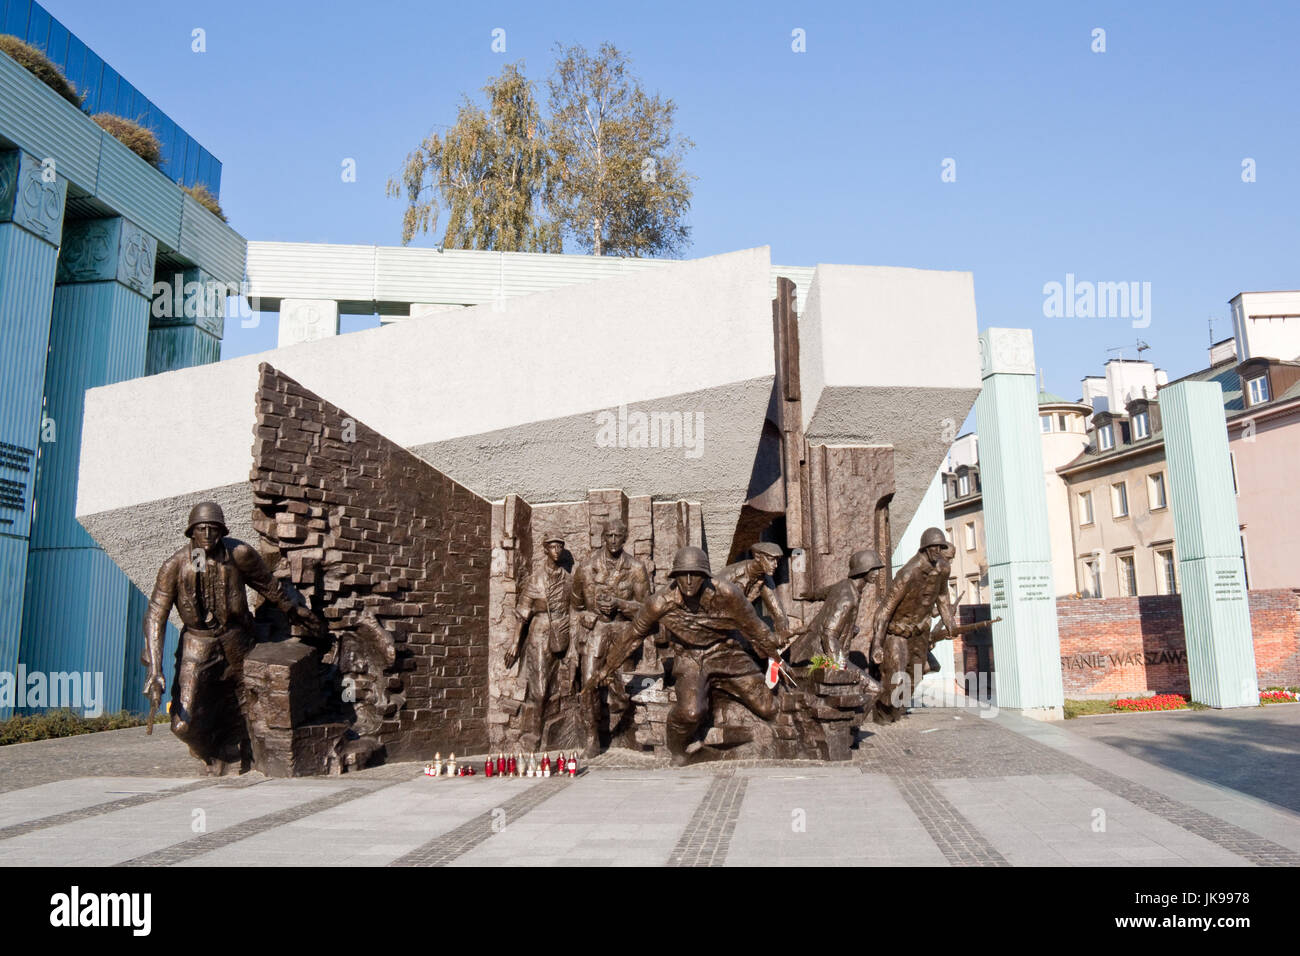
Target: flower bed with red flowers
(1158, 702)
(1278, 697)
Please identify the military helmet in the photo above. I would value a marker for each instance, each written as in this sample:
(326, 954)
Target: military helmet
(767, 548)
(931, 537)
(690, 560)
(864, 562)
(553, 536)
(206, 511)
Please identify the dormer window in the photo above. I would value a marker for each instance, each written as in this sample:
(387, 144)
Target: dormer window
(963, 485)
(1141, 426)
(1105, 438)
(1258, 389)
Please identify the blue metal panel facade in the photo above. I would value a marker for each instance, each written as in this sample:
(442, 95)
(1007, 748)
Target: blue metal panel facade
(13, 571)
(107, 92)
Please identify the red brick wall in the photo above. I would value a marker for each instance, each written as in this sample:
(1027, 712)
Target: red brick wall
(1131, 645)
(362, 524)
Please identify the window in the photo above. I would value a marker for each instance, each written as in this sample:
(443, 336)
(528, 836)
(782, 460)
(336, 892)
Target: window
(970, 535)
(1045, 422)
(1156, 491)
(1258, 389)
(1119, 500)
(1128, 586)
(1060, 422)
(1168, 573)
(973, 590)
(1105, 438)
(1141, 425)
(1085, 508)
(1092, 578)
(952, 590)
(963, 484)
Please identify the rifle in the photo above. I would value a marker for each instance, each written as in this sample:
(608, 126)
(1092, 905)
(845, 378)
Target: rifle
(155, 699)
(960, 629)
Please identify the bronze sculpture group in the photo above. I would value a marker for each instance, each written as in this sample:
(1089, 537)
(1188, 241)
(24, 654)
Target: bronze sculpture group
(580, 631)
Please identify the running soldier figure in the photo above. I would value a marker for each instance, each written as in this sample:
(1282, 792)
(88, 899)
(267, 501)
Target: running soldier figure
(700, 618)
(541, 610)
(205, 582)
(609, 588)
(900, 643)
(754, 577)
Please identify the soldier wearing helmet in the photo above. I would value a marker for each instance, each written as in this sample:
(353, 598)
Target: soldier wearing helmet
(609, 587)
(204, 581)
(833, 628)
(901, 639)
(700, 618)
(754, 577)
(542, 612)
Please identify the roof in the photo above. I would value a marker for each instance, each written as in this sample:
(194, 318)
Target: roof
(1049, 398)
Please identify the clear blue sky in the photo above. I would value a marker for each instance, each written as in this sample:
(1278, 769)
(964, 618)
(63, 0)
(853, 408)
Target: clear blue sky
(1117, 166)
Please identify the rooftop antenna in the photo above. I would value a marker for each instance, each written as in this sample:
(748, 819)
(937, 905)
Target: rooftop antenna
(1141, 347)
(1210, 322)
(1041, 386)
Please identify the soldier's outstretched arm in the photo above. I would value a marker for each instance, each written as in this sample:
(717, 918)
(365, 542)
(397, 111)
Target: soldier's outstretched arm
(258, 577)
(774, 610)
(751, 625)
(155, 624)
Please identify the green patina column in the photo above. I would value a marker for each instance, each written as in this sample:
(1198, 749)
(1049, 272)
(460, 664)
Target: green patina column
(1026, 644)
(1207, 538)
(31, 223)
(186, 320)
(75, 613)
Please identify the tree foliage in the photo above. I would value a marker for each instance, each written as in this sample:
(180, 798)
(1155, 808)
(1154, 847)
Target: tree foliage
(605, 169)
(489, 170)
(621, 188)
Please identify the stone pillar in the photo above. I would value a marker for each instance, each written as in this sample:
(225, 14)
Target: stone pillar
(186, 320)
(1207, 538)
(75, 614)
(305, 320)
(1026, 644)
(31, 223)
(929, 514)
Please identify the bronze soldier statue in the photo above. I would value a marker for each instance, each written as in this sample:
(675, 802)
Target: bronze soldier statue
(205, 582)
(754, 577)
(833, 628)
(699, 617)
(900, 642)
(542, 614)
(609, 588)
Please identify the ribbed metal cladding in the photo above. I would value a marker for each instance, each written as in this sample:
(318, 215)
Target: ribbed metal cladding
(27, 267)
(13, 570)
(1212, 582)
(1026, 643)
(207, 240)
(75, 616)
(97, 337)
(44, 124)
(128, 182)
(366, 274)
(180, 346)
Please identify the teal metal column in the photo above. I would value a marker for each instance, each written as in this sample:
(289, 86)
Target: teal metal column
(75, 614)
(1026, 643)
(929, 514)
(186, 321)
(31, 223)
(1207, 538)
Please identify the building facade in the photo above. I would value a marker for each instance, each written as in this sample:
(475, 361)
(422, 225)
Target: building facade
(109, 270)
(1108, 485)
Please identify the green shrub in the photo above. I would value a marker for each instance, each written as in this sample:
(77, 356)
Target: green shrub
(138, 139)
(201, 195)
(62, 723)
(39, 65)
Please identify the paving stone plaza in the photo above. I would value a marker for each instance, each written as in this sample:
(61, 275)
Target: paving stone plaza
(945, 787)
